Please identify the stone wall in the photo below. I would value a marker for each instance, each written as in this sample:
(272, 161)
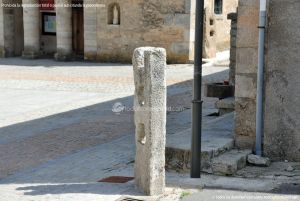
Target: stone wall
(2, 50)
(90, 31)
(233, 34)
(10, 30)
(222, 24)
(168, 24)
(246, 73)
(282, 85)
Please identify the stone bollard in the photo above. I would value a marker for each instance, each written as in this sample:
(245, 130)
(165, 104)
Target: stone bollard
(150, 119)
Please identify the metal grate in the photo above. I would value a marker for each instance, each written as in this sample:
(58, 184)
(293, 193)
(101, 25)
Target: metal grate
(116, 179)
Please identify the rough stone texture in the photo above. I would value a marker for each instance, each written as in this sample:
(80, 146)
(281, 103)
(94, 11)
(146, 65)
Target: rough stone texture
(221, 22)
(245, 80)
(258, 160)
(209, 36)
(230, 162)
(281, 131)
(217, 138)
(282, 111)
(11, 30)
(167, 24)
(233, 34)
(150, 118)
(31, 19)
(64, 31)
(225, 105)
(90, 31)
(2, 50)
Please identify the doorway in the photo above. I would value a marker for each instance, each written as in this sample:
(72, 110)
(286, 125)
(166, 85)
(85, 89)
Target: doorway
(78, 32)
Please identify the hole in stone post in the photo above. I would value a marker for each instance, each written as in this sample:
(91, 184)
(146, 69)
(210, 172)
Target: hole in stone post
(141, 97)
(211, 22)
(141, 134)
(211, 33)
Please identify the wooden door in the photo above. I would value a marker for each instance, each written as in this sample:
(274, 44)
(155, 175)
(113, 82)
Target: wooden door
(78, 37)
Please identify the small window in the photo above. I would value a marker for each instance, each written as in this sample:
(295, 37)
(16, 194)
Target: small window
(218, 7)
(114, 14)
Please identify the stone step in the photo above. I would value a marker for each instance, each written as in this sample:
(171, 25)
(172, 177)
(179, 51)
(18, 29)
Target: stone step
(217, 138)
(225, 105)
(230, 162)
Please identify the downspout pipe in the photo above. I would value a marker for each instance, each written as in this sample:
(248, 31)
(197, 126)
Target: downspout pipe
(260, 78)
(197, 101)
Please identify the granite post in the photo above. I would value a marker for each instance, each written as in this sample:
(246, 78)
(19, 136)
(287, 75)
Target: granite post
(150, 119)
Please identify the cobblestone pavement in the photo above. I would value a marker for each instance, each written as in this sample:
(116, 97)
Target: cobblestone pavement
(51, 110)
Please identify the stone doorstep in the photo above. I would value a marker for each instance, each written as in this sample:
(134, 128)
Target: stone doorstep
(217, 138)
(230, 162)
(226, 103)
(179, 159)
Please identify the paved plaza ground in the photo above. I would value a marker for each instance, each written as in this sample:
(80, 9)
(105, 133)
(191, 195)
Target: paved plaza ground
(60, 132)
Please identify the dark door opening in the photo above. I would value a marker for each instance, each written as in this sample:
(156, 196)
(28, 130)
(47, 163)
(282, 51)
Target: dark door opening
(77, 23)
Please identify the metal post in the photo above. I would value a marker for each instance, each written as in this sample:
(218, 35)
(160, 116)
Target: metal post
(197, 102)
(260, 78)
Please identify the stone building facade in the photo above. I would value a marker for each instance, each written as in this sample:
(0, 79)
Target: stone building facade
(281, 88)
(90, 32)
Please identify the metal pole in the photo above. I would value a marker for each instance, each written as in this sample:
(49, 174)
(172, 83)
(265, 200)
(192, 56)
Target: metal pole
(260, 78)
(197, 102)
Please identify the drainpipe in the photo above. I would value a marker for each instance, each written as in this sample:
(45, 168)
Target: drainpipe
(260, 77)
(197, 102)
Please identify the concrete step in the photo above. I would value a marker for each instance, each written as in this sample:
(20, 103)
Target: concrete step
(217, 138)
(230, 162)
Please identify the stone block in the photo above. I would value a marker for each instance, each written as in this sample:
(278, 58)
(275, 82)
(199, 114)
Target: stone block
(247, 3)
(181, 48)
(245, 122)
(258, 160)
(64, 31)
(247, 32)
(2, 52)
(282, 111)
(28, 54)
(63, 56)
(31, 23)
(149, 66)
(245, 86)
(230, 162)
(244, 142)
(226, 103)
(247, 59)
(182, 20)
(169, 19)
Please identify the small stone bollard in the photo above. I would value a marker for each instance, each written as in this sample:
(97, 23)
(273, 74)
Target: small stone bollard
(149, 66)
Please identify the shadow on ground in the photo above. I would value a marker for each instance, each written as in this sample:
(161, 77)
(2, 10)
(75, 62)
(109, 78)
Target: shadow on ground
(26, 148)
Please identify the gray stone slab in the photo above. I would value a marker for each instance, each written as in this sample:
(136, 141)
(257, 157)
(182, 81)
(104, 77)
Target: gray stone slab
(230, 162)
(217, 138)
